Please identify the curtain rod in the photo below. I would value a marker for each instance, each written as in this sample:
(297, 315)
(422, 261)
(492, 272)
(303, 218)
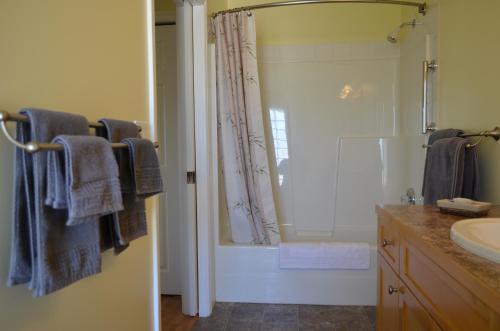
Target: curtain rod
(422, 7)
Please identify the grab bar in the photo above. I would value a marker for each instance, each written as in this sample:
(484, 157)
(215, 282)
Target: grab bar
(428, 66)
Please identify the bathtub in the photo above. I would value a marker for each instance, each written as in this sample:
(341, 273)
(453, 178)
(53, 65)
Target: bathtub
(252, 274)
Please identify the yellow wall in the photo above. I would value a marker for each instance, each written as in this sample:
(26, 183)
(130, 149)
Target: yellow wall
(212, 5)
(216, 5)
(87, 57)
(470, 74)
(164, 5)
(329, 23)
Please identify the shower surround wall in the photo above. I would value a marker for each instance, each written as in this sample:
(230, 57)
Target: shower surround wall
(416, 45)
(332, 116)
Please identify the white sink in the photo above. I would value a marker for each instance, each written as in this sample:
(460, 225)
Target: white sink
(480, 236)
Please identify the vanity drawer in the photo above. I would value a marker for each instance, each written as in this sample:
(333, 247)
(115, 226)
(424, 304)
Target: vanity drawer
(388, 242)
(387, 299)
(451, 305)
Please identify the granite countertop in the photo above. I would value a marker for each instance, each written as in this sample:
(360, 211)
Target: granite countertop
(433, 228)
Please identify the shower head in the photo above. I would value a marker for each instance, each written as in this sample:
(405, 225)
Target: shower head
(393, 37)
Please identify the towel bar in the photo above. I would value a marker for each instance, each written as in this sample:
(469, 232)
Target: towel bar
(34, 147)
(495, 134)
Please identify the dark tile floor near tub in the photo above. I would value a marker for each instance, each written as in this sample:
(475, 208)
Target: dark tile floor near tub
(263, 317)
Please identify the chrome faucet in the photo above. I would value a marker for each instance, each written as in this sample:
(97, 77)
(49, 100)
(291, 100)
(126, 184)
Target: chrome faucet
(410, 198)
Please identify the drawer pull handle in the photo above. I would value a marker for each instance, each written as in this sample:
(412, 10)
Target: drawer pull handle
(392, 290)
(386, 243)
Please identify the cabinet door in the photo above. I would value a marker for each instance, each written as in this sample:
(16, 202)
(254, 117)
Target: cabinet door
(449, 303)
(388, 242)
(387, 305)
(413, 316)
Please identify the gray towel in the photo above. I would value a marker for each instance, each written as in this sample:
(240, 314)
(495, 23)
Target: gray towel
(87, 184)
(45, 252)
(144, 167)
(120, 228)
(435, 136)
(445, 169)
(442, 134)
(471, 187)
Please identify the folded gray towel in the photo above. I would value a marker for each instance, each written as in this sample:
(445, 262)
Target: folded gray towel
(45, 252)
(118, 229)
(145, 167)
(445, 169)
(435, 136)
(115, 131)
(88, 184)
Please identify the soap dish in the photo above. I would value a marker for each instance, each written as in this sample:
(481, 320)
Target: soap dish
(464, 207)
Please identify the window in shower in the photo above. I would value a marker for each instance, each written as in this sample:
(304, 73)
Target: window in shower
(278, 127)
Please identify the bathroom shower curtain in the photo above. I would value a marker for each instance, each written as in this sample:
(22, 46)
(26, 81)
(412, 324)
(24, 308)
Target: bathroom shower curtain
(249, 196)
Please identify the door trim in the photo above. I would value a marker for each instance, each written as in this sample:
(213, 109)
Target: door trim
(155, 246)
(204, 201)
(185, 94)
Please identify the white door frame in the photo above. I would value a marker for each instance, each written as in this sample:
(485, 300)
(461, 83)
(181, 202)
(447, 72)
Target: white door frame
(198, 270)
(185, 85)
(204, 169)
(155, 247)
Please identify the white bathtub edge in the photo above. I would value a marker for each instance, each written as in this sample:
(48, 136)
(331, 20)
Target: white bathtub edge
(252, 274)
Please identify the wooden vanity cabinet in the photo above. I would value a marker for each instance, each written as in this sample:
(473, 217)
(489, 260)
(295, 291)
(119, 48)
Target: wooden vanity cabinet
(387, 302)
(397, 307)
(419, 289)
(388, 242)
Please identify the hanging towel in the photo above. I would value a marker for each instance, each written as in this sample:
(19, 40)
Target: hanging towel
(118, 229)
(445, 169)
(87, 184)
(435, 136)
(442, 134)
(471, 186)
(45, 252)
(332, 255)
(144, 167)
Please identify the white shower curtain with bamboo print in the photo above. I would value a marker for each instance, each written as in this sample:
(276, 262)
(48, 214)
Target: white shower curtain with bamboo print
(249, 196)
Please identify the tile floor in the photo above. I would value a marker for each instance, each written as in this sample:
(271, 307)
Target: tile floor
(269, 317)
